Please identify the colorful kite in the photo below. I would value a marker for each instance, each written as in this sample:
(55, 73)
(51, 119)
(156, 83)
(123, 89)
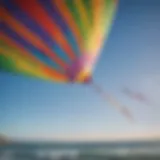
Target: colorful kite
(55, 40)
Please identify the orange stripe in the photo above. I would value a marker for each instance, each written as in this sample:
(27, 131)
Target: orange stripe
(51, 72)
(64, 11)
(36, 11)
(29, 36)
(96, 9)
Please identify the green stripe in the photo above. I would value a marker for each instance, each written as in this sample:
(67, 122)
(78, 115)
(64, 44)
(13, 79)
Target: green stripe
(109, 11)
(72, 7)
(7, 64)
(88, 7)
(12, 49)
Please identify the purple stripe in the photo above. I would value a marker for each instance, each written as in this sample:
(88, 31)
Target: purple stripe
(28, 22)
(53, 12)
(21, 16)
(33, 50)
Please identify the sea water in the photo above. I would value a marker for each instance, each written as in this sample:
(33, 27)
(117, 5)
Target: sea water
(81, 151)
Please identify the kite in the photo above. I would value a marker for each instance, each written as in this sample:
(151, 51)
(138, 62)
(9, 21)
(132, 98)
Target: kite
(137, 96)
(55, 40)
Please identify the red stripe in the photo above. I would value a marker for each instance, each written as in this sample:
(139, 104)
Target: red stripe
(36, 11)
(31, 37)
(64, 11)
(54, 74)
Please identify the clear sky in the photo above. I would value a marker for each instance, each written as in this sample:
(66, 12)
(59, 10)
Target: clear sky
(31, 108)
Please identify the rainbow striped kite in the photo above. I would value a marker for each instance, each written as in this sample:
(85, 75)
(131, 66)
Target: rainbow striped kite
(55, 40)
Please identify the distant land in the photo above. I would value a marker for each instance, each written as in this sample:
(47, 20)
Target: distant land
(3, 140)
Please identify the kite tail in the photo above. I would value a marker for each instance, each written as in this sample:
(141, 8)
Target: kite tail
(107, 97)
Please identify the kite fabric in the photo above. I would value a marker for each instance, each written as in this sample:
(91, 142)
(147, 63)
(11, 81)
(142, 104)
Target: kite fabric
(55, 40)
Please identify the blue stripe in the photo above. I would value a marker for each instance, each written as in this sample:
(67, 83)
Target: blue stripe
(56, 16)
(34, 27)
(33, 50)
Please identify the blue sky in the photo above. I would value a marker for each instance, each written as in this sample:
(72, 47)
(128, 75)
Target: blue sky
(36, 109)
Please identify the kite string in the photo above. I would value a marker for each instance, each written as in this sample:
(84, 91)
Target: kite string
(108, 98)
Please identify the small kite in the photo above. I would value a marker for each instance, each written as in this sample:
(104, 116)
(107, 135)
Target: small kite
(55, 40)
(138, 96)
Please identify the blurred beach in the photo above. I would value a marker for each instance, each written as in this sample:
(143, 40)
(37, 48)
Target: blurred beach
(81, 151)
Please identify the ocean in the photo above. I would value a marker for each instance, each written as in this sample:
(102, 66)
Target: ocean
(81, 151)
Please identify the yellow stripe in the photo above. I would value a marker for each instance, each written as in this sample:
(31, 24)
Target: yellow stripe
(94, 39)
(23, 65)
(30, 37)
(103, 14)
(53, 74)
